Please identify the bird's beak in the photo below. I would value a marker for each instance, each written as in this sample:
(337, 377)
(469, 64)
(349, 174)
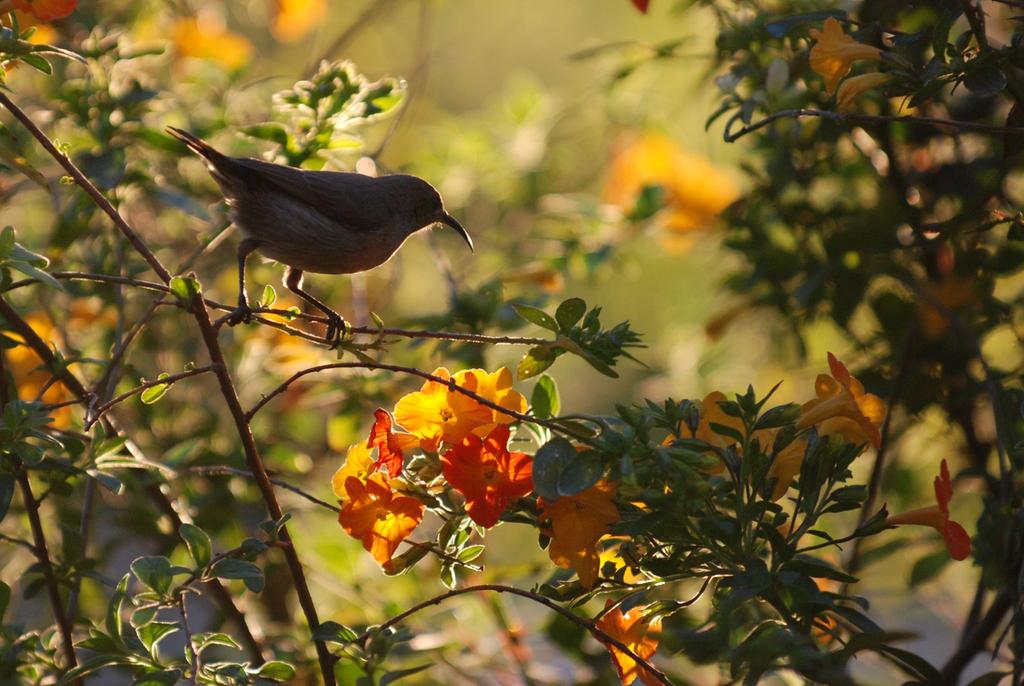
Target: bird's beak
(451, 221)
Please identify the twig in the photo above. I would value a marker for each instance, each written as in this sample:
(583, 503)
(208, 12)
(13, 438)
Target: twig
(190, 648)
(589, 625)
(18, 541)
(96, 413)
(233, 471)
(71, 382)
(356, 330)
(731, 136)
(450, 383)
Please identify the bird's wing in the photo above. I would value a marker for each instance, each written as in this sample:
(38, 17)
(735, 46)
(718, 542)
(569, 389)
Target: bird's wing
(351, 200)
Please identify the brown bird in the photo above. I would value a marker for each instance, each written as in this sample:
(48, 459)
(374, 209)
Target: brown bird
(316, 221)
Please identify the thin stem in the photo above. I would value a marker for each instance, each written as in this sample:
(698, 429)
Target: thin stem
(589, 625)
(731, 136)
(255, 462)
(190, 648)
(98, 412)
(450, 383)
(43, 556)
(232, 471)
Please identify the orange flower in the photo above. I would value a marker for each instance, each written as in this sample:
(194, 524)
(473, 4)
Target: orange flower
(835, 52)
(496, 387)
(577, 523)
(47, 10)
(787, 463)
(842, 407)
(377, 516)
(695, 192)
(488, 474)
(955, 292)
(209, 39)
(437, 414)
(711, 412)
(639, 633)
(958, 543)
(295, 18)
(358, 464)
(855, 86)
(31, 377)
(391, 446)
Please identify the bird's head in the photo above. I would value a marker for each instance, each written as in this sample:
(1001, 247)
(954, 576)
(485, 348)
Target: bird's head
(428, 208)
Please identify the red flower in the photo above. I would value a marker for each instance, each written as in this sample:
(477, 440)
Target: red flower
(487, 474)
(958, 543)
(47, 10)
(641, 5)
(390, 446)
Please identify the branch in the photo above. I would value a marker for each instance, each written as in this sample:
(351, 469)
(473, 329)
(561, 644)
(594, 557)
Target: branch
(166, 381)
(450, 383)
(587, 624)
(71, 382)
(190, 648)
(232, 471)
(731, 136)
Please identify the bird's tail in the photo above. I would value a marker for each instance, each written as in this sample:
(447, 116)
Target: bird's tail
(196, 145)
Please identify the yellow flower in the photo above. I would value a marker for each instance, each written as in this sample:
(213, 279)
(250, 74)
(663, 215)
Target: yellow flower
(853, 87)
(208, 39)
(496, 387)
(436, 413)
(842, 407)
(358, 463)
(695, 191)
(294, 18)
(711, 412)
(787, 463)
(835, 52)
(31, 377)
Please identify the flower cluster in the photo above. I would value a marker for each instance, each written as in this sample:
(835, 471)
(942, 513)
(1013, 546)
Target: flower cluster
(832, 57)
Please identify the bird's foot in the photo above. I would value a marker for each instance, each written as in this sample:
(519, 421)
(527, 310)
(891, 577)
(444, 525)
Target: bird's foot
(240, 315)
(337, 327)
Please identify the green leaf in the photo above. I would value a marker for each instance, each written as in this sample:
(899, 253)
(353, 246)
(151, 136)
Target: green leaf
(198, 543)
(537, 316)
(154, 393)
(275, 670)
(6, 242)
(544, 401)
(928, 567)
(5, 599)
(151, 634)
(986, 81)
(334, 632)
(186, 287)
(154, 571)
(549, 463)
(91, 665)
(38, 62)
(535, 361)
(268, 132)
(269, 296)
(35, 273)
(113, 620)
(470, 553)
(570, 312)
(392, 677)
(230, 568)
(6, 494)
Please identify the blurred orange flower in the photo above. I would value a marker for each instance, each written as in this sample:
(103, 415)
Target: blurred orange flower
(47, 10)
(390, 445)
(639, 634)
(577, 523)
(958, 542)
(496, 387)
(787, 463)
(211, 40)
(695, 191)
(488, 475)
(954, 292)
(855, 86)
(44, 32)
(641, 5)
(438, 414)
(293, 19)
(378, 516)
(835, 52)
(358, 464)
(31, 377)
(548, 278)
(842, 407)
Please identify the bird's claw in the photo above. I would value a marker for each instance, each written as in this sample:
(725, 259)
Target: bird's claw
(240, 315)
(337, 327)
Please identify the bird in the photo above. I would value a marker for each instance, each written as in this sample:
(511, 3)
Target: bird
(322, 222)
